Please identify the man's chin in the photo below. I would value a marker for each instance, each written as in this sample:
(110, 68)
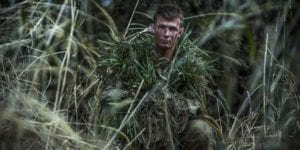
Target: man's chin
(165, 46)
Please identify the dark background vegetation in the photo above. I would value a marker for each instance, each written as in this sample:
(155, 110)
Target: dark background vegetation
(253, 44)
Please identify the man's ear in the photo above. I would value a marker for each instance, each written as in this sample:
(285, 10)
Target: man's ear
(181, 31)
(151, 27)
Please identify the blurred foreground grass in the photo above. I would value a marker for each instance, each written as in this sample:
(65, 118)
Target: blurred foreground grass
(50, 88)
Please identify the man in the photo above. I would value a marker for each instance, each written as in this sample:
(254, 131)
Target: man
(167, 29)
(172, 88)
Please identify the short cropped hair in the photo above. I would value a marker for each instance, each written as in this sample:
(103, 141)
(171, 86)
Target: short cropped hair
(168, 12)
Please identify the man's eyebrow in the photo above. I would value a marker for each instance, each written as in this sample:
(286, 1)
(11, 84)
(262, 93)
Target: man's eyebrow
(169, 25)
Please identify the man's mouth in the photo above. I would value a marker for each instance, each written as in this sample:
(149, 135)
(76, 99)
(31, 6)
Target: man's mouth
(165, 42)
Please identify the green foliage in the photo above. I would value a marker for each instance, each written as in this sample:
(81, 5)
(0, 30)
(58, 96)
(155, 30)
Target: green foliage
(54, 82)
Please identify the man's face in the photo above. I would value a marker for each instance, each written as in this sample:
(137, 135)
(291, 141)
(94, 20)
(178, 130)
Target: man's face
(166, 33)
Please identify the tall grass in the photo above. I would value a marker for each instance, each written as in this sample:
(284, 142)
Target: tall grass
(47, 74)
(52, 91)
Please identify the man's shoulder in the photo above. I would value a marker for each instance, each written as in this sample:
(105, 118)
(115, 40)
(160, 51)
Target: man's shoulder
(192, 61)
(191, 53)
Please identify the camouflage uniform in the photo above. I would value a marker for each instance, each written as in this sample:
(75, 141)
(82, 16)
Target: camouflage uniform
(168, 114)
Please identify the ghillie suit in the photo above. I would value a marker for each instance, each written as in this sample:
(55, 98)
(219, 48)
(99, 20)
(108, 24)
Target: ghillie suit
(164, 96)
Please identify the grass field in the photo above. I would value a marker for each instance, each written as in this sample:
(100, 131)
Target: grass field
(51, 91)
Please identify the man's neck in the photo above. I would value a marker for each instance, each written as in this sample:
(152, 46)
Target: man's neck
(167, 53)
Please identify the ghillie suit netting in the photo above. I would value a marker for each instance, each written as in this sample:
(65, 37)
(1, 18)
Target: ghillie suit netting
(152, 98)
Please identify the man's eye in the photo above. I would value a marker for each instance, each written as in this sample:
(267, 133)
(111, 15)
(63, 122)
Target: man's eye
(173, 29)
(162, 27)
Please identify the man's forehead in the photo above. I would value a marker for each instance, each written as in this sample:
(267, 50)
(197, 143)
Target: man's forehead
(172, 22)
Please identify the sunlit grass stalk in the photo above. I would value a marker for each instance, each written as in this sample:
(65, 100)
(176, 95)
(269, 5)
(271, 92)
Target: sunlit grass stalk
(131, 17)
(214, 14)
(56, 22)
(15, 43)
(264, 85)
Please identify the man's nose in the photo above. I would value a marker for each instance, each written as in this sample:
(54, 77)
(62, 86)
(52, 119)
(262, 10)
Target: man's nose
(167, 32)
